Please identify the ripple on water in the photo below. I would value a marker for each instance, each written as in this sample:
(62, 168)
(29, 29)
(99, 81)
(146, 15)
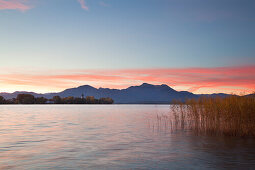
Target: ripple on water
(109, 137)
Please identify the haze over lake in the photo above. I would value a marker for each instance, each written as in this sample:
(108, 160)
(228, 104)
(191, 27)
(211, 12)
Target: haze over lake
(109, 137)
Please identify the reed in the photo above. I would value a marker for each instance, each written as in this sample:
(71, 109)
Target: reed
(232, 116)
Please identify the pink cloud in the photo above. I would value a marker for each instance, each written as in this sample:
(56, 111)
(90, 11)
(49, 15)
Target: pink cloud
(83, 5)
(14, 5)
(197, 80)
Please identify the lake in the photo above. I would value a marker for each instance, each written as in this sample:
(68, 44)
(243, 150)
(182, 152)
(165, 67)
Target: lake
(110, 137)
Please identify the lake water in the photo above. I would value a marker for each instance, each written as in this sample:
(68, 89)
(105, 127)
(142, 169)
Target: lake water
(109, 137)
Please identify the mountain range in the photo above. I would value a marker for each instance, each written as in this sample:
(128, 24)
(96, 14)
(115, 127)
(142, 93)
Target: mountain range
(143, 94)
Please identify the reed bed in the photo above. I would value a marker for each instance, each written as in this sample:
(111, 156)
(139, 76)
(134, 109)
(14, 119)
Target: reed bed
(230, 116)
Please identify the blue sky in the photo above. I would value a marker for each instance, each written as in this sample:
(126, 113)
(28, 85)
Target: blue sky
(125, 34)
(128, 34)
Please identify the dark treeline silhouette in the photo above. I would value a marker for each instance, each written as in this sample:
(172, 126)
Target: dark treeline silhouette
(30, 99)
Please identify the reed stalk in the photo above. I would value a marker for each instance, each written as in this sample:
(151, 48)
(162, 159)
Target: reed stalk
(230, 116)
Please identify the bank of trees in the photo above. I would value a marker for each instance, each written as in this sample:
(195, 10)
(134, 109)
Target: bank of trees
(77, 100)
(30, 99)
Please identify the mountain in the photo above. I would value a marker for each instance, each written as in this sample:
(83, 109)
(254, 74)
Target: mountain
(251, 95)
(14, 95)
(145, 93)
(215, 95)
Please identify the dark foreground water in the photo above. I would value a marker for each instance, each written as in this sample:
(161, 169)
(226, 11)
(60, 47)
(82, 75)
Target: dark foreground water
(109, 137)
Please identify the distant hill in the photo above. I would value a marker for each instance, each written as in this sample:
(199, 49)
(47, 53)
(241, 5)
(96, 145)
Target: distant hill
(251, 95)
(215, 95)
(143, 94)
(14, 95)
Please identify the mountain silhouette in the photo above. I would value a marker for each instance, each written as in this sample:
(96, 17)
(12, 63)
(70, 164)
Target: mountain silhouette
(143, 94)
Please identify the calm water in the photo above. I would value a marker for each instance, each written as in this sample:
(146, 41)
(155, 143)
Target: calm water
(109, 137)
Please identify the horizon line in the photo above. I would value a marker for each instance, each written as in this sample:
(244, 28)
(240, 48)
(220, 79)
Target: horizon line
(123, 89)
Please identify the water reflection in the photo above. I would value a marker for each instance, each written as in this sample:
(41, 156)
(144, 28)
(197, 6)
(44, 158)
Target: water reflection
(109, 137)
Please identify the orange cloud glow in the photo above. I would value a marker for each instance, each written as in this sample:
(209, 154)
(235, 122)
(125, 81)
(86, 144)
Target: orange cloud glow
(198, 80)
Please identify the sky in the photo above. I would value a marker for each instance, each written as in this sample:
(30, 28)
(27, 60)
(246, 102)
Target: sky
(202, 46)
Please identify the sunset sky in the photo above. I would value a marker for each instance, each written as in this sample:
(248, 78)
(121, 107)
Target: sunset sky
(202, 46)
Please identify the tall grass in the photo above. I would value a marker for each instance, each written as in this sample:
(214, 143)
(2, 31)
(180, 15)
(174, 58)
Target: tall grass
(233, 116)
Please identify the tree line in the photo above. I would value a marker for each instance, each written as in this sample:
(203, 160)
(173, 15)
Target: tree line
(30, 99)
